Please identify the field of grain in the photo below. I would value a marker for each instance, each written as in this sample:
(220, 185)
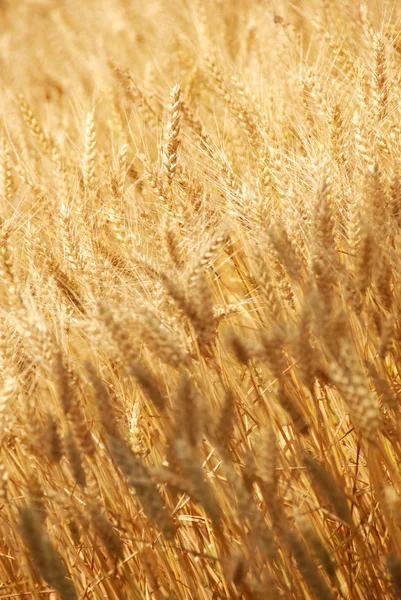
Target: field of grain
(200, 336)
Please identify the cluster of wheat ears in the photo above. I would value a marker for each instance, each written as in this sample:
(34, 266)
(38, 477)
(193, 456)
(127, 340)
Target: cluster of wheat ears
(200, 343)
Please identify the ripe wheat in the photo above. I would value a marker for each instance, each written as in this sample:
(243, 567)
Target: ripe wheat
(200, 341)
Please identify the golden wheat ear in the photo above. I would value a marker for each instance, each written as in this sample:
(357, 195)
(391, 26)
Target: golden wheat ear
(43, 554)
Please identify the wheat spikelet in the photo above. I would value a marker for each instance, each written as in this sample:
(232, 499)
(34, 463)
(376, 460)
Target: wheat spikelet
(305, 353)
(149, 385)
(136, 431)
(136, 95)
(207, 254)
(138, 477)
(307, 82)
(45, 558)
(330, 489)
(325, 261)
(225, 423)
(104, 402)
(4, 478)
(6, 176)
(319, 549)
(240, 348)
(75, 460)
(382, 388)
(387, 336)
(81, 430)
(172, 241)
(52, 440)
(89, 157)
(121, 168)
(365, 261)
(7, 395)
(379, 84)
(384, 283)
(272, 350)
(362, 142)
(307, 567)
(7, 268)
(70, 244)
(142, 374)
(360, 400)
(199, 310)
(187, 412)
(106, 532)
(268, 460)
(267, 287)
(239, 108)
(158, 337)
(341, 57)
(288, 403)
(172, 141)
(339, 137)
(33, 123)
(36, 498)
(207, 145)
(286, 252)
(191, 468)
(188, 429)
(65, 284)
(65, 393)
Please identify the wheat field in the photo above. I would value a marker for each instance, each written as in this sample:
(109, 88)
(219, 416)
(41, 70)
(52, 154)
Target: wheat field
(200, 338)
